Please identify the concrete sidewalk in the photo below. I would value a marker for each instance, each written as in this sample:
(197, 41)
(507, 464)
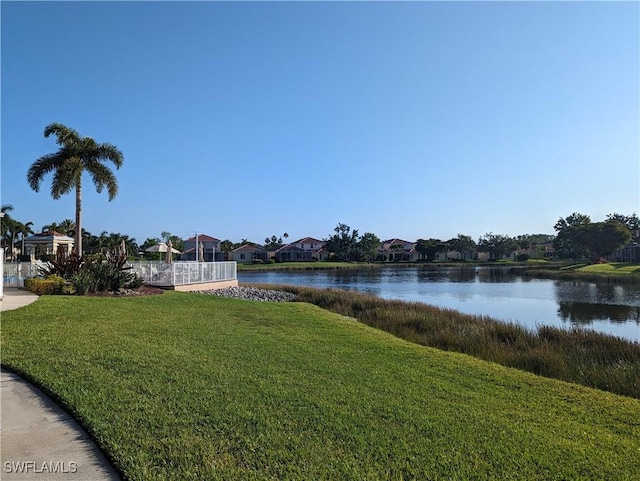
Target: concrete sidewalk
(14, 298)
(39, 440)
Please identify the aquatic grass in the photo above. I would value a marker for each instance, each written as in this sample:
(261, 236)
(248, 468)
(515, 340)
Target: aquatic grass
(185, 386)
(576, 355)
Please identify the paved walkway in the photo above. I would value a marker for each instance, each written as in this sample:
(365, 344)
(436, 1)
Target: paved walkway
(14, 298)
(39, 440)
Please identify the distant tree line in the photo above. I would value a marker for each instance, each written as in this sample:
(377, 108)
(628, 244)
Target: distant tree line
(577, 237)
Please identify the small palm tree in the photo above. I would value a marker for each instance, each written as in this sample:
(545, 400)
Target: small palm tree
(67, 227)
(6, 223)
(76, 155)
(24, 230)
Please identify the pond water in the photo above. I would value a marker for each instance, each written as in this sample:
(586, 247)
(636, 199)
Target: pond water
(491, 291)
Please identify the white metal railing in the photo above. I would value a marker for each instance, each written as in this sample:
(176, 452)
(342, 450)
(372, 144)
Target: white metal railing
(180, 273)
(153, 272)
(14, 273)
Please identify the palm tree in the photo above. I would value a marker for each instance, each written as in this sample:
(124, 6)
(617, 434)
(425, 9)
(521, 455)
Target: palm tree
(76, 155)
(67, 227)
(24, 230)
(5, 222)
(54, 226)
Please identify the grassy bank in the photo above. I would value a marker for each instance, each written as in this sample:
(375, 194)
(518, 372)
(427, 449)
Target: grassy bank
(581, 356)
(620, 272)
(187, 386)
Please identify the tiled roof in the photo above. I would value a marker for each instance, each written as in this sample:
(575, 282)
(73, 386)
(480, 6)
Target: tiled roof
(397, 241)
(202, 238)
(248, 247)
(307, 240)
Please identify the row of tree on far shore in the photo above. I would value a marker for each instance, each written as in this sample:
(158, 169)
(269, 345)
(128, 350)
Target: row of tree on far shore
(576, 235)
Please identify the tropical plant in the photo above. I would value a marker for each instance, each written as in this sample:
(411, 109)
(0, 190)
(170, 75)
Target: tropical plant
(6, 224)
(568, 242)
(632, 222)
(497, 245)
(24, 230)
(76, 155)
(368, 246)
(428, 248)
(226, 245)
(67, 227)
(94, 273)
(463, 244)
(343, 243)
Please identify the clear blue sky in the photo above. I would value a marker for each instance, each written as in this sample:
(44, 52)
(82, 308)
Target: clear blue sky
(244, 120)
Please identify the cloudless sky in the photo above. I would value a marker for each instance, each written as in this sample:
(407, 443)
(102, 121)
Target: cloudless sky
(248, 119)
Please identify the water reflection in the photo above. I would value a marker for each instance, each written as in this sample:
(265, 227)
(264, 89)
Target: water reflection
(496, 292)
(586, 313)
(446, 275)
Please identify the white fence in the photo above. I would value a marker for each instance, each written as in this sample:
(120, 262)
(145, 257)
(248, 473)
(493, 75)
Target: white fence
(153, 272)
(182, 273)
(14, 273)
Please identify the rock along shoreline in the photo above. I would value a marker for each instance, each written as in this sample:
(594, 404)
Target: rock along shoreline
(252, 294)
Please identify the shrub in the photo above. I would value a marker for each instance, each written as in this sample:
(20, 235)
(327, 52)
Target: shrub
(51, 285)
(83, 282)
(64, 264)
(91, 273)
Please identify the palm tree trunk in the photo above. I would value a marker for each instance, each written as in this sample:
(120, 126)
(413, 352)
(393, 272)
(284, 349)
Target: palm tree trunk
(13, 243)
(78, 239)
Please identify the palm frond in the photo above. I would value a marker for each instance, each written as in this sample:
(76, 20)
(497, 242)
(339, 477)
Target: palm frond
(65, 135)
(103, 177)
(110, 152)
(43, 166)
(66, 177)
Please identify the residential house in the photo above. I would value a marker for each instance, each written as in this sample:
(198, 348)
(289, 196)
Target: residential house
(628, 253)
(315, 246)
(291, 253)
(210, 247)
(455, 255)
(542, 250)
(398, 250)
(248, 253)
(48, 242)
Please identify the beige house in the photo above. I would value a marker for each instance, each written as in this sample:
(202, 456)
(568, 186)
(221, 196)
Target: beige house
(248, 253)
(48, 242)
(398, 250)
(314, 247)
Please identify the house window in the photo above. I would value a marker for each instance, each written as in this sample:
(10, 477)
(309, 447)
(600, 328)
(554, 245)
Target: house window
(241, 256)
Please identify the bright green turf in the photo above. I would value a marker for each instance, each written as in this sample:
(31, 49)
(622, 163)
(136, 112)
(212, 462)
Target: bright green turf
(187, 386)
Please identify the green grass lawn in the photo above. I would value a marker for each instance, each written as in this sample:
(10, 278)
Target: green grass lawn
(611, 268)
(187, 386)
